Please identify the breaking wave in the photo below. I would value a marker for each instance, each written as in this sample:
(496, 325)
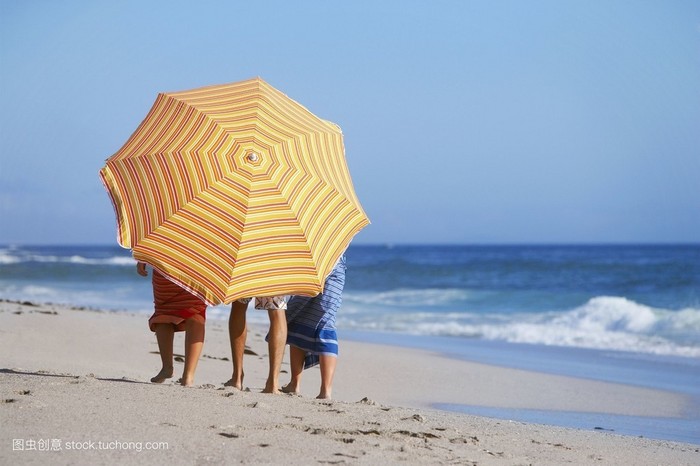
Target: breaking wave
(604, 322)
(12, 256)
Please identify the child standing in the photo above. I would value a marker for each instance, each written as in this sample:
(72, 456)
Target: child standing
(176, 310)
(311, 332)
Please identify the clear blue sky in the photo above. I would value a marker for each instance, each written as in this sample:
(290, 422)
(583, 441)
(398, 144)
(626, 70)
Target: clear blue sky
(465, 121)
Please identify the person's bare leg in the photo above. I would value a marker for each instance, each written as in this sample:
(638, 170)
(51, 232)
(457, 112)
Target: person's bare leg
(194, 341)
(276, 341)
(237, 332)
(296, 361)
(165, 333)
(327, 364)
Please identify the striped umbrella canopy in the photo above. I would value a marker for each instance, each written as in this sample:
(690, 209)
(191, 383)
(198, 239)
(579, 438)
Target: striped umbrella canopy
(235, 191)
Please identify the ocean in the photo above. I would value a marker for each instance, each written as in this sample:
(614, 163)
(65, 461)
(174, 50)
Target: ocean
(621, 313)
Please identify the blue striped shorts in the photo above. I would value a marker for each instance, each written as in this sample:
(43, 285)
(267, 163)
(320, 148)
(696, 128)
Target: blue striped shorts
(311, 320)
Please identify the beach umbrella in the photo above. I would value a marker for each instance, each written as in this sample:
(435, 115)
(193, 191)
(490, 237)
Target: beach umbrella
(235, 191)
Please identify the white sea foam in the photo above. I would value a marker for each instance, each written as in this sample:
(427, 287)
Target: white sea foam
(609, 314)
(405, 297)
(606, 322)
(34, 292)
(117, 260)
(8, 257)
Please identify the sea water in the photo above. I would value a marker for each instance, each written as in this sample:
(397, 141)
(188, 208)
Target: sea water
(621, 313)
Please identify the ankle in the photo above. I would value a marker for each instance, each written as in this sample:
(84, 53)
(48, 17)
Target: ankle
(271, 387)
(325, 393)
(187, 381)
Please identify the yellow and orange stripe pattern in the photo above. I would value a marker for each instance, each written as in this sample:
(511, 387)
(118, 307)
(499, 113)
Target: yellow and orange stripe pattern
(235, 191)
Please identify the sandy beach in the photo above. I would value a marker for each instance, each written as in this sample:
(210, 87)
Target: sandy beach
(75, 390)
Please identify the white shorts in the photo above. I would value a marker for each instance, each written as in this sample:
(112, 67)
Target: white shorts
(268, 303)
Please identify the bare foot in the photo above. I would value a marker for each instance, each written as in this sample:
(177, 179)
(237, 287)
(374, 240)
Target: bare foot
(232, 383)
(289, 388)
(272, 389)
(163, 375)
(324, 396)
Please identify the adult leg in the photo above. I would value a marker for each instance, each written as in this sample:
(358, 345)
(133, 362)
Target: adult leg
(331, 302)
(165, 333)
(194, 341)
(277, 339)
(296, 361)
(238, 332)
(327, 364)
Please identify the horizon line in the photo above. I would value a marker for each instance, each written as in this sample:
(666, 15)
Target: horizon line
(389, 244)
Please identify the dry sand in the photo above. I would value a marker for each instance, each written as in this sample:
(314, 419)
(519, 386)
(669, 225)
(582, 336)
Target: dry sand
(74, 390)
